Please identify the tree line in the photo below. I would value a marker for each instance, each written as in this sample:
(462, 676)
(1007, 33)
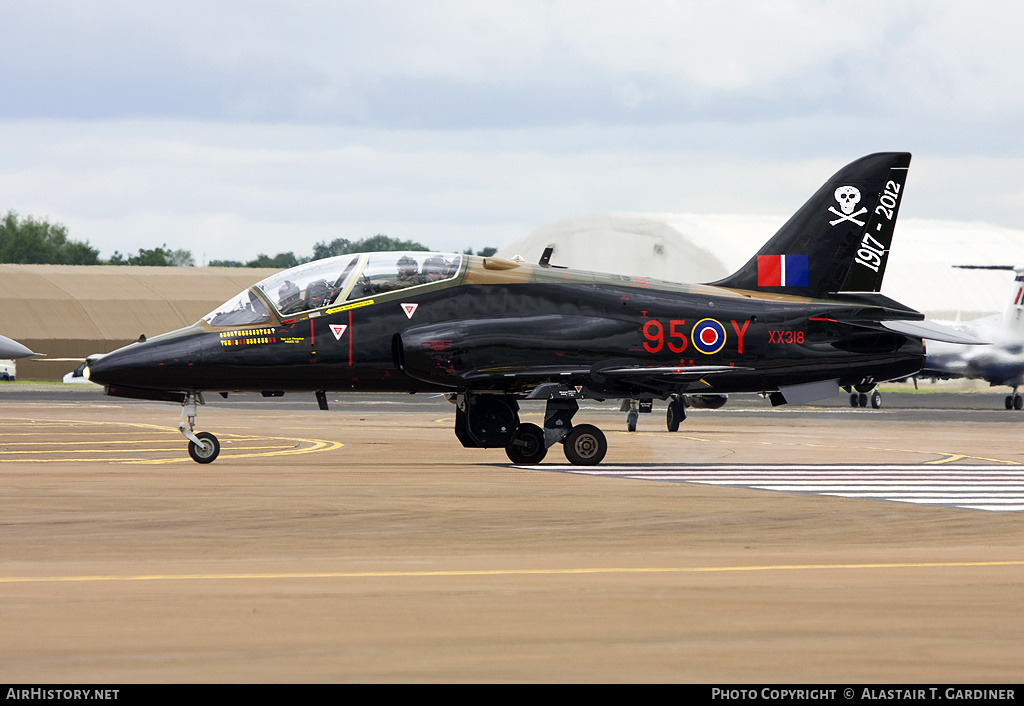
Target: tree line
(31, 241)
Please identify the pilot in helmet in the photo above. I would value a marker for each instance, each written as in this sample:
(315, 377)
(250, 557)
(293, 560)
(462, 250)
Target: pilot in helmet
(408, 272)
(407, 268)
(435, 268)
(288, 296)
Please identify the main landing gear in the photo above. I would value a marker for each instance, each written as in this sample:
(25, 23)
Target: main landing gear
(583, 444)
(202, 447)
(860, 399)
(489, 421)
(675, 413)
(1015, 401)
(633, 410)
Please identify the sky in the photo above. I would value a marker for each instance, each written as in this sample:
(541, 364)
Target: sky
(232, 128)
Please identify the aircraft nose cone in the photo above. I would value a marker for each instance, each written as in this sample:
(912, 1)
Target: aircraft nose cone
(112, 368)
(156, 365)
(98, 372)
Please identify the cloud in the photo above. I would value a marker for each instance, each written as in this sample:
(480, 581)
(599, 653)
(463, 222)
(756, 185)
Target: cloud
(233, 127)
(466, 64)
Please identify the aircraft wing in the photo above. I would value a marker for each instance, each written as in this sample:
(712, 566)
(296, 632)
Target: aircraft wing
(600, 373)
(609, 378)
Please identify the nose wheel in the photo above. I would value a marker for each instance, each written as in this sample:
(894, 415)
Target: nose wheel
(206, 450)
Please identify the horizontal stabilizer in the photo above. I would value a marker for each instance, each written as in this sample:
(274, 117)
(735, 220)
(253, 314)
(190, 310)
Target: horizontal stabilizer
(933, 332)
(918, 328)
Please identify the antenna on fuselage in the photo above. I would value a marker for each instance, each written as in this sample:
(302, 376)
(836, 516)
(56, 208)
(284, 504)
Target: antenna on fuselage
(545, 258)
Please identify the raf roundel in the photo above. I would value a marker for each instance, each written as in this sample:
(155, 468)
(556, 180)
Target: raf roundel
(708, 336)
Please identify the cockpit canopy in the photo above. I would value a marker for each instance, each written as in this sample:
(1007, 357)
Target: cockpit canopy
(334, 280)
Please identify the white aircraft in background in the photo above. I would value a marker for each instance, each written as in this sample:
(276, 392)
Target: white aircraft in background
(1001, 363)
(10, 350)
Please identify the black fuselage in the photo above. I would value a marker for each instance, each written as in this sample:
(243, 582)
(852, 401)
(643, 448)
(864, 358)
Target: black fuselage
(513, 336)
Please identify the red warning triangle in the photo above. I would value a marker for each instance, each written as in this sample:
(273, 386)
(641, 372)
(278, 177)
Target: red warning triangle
(409, 309)
(338, 330)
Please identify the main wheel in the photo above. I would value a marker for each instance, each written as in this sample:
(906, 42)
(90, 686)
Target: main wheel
(1018, 402)
(854, 399)
(631, 421)
(674, 415)
(876, 399)
(205, 452)
(1009, 401)
(863, 399)
(585, 445)
(527, 446)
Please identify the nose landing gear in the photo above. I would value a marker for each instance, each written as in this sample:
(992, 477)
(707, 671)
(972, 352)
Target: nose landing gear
(202, 447)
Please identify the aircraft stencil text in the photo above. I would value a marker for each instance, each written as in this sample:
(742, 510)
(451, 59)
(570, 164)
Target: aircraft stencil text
(785, 336)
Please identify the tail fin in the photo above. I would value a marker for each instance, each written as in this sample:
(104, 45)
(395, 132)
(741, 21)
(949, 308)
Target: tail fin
(839, 240)
(1013, 314)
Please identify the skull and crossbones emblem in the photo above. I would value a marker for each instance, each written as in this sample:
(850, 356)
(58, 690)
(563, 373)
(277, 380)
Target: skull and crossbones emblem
(848, 197)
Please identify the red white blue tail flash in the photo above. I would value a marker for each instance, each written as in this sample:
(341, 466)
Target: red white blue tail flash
(782, 271)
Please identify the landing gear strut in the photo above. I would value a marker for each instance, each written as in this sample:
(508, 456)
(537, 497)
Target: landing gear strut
(202, 447)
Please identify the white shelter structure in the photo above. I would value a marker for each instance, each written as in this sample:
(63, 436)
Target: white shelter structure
(622, 243)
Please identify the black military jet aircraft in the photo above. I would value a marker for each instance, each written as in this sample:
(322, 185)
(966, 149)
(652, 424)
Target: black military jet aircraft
(799, 320)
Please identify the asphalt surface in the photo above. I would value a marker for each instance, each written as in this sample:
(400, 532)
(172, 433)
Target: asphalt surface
(364, 544)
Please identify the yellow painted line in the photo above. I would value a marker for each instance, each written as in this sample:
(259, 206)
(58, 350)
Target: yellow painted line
(236, 442)
(122, 450)
(63, 456)
(504, 572)
(10, 448)
(317, 446)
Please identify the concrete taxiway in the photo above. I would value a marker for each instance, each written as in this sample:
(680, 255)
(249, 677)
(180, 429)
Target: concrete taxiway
(364, 544)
